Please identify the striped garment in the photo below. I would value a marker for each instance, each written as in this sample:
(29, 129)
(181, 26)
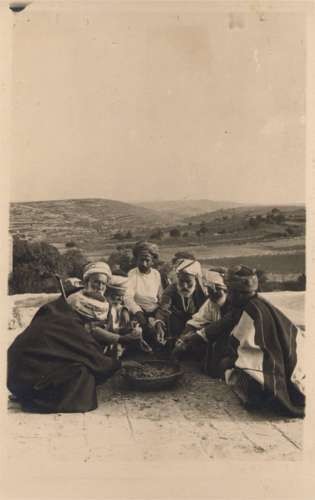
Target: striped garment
(267, 352)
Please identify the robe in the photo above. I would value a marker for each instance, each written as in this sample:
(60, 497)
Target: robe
(54, 365)
(266, 368)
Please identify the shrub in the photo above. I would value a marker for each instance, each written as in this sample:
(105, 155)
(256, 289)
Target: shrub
(73, 262)
(175, 233)
(36, 263)
(70, 244)
(34, 266)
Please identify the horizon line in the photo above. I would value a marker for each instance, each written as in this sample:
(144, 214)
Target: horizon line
(139, 202)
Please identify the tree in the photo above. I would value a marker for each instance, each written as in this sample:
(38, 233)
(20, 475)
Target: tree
(73, 263)
(175, 233)
(157, 234)
(34, 267)
(70, 244)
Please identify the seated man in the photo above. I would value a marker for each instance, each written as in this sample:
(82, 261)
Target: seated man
(181, 300)
(205, 334)
(262, 364)
(144, 290)
(55, 364)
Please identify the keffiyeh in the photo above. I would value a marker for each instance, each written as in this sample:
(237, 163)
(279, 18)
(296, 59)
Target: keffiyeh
(88, 307)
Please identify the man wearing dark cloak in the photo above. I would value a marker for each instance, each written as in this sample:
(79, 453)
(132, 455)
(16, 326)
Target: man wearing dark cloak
(261, 362)
(55, 364)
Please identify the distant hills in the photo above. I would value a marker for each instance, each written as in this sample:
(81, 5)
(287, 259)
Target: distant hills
(95, 223)
(79, 218)
(244, 211)
(187, 208)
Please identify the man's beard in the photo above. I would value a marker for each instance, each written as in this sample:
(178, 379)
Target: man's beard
(186, 293)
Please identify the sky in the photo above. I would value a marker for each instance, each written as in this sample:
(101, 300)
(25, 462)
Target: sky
(161, 104)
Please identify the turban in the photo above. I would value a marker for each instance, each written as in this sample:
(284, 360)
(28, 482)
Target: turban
(118, 285)
(188, 266)
(210, 278)
(145, 247)
(243, 278)
(97, 268)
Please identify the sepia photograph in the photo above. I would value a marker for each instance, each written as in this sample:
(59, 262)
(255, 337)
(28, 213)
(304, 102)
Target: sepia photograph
(156, 281)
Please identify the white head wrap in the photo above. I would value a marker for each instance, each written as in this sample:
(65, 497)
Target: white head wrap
(97, 268)
(213, 278)
(189, 266)
(118, 284)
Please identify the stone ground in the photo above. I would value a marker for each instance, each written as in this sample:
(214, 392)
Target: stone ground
(199, 420)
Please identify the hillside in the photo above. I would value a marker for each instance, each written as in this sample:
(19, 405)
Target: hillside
(242, 212)
(187, 208)
(80, 219)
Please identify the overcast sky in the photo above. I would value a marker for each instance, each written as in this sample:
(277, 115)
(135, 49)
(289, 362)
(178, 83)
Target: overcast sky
(143, 105)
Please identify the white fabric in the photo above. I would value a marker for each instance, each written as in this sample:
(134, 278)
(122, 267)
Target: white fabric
(250, 356)
(212, 278)
(88, 307)
(208, 312)
(143, 290)
(189, 266)
(119, 281)
(298, 375)
(115, 317)
(97, 268)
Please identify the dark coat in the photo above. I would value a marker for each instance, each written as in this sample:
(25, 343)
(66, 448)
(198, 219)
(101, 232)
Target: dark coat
(172, 311)
(54, 365)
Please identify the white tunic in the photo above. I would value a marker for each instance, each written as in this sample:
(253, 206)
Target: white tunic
(143, 291)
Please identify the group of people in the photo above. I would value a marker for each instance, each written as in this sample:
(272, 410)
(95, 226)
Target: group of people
(106, 321)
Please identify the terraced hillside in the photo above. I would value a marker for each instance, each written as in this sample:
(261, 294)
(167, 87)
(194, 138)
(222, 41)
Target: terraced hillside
(79, 219)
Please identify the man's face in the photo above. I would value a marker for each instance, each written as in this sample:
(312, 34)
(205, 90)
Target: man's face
(218, 295)
(144, 263)
(96, 284)
(186, 284)
(239, 298)
(116, 299)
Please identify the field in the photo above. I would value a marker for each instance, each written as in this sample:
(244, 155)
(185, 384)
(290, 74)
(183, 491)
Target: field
(276, 264)
(268, 238)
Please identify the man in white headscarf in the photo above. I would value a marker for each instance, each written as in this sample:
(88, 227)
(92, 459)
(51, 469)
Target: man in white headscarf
(55, 364)
(200, 331)
(181, 300)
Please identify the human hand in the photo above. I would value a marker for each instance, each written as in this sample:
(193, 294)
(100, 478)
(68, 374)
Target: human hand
(188, 337)
(178, 350)
(134, 336)
(160, 333)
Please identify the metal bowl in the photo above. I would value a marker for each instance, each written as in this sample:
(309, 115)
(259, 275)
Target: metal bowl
(157, 383)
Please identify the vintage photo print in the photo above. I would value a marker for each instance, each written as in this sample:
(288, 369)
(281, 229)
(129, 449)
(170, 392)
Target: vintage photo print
(157, 249)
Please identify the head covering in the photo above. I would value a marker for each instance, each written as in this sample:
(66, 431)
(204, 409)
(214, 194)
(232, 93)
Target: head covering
(212, 278)
(219, 269)
(97, 268)
(182, 255)
(243, 278)
(88, 307)
(188, 266)
(118, 285)
(145, 247)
